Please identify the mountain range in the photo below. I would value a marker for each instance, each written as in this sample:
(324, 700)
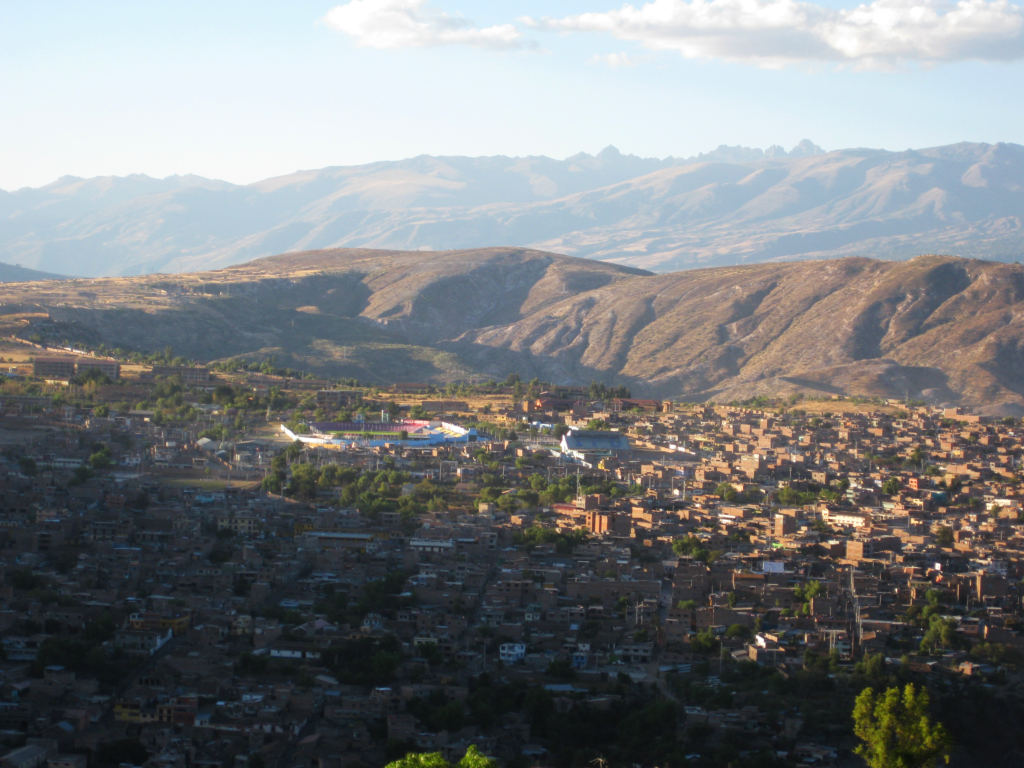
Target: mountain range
(939, 328)
(732, 206)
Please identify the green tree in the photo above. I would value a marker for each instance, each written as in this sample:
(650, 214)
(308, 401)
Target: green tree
(101, 459)
(304, 481)
(704, 642)
(473, 759)
(897, 730)
(941, 634)
(726, 492)
(872, 665)
(223, 394)
(92, 376)
(738, 630)
(891, 486)
(274, 481)
(807, 592)
(80, 475)
(787, 495)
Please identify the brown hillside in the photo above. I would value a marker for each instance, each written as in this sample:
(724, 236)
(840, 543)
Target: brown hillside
(943, 328)
(946, 327)
(373, 315)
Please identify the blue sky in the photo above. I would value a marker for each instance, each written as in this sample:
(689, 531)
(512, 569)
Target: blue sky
(243, 91)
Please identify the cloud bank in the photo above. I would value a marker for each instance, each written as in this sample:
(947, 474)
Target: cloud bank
(772, 33)
(414, 24)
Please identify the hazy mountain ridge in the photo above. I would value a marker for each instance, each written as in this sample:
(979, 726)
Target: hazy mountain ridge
(733, 205)
(941, 328)
(15, 273)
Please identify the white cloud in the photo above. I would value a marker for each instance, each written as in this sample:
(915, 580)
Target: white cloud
(414, 24)
(616, 60)
(880, 34)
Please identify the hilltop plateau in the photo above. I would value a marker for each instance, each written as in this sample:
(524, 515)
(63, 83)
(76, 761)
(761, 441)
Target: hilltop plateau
(938, 328)
(728, 207)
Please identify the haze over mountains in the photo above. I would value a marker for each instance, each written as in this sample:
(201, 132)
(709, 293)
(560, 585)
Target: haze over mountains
(731, 206)
(943, 329)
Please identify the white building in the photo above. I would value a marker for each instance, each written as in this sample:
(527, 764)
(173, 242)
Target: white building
(846, 519)
(513, 653)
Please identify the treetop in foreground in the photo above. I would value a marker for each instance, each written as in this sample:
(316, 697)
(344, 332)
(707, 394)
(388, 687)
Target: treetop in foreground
(474, 758)
(897, 730)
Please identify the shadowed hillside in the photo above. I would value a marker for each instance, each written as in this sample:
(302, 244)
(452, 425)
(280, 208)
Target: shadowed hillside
(940, 328)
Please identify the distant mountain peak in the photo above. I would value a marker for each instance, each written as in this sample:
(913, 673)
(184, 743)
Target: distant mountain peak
(806, 148)
(731, 205)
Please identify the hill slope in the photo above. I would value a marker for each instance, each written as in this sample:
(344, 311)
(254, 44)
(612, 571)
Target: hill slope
(14, 273)
(374, 315)
(729, 207)
(942, 328)
(938, 327)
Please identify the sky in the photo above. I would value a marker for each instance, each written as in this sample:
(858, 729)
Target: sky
(242, 91)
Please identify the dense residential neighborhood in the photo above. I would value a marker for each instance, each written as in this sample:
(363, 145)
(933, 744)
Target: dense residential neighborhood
(234, 568)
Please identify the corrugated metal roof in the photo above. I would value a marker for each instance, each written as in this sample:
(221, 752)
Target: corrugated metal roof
(596, 441)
